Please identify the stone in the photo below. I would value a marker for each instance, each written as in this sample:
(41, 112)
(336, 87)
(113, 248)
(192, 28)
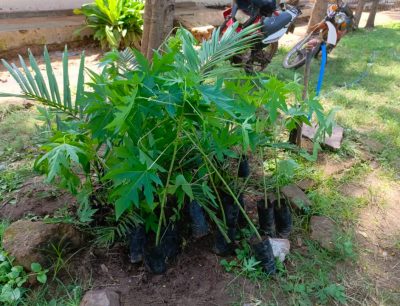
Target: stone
(30, 241)
(323, 230)
(280, 248)
(103, 297)
(333, 142)
(306, 184)
(296, 197)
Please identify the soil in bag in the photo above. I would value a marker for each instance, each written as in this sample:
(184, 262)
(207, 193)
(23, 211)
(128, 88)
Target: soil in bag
(199, 223)
(155, 260)
(244, 167)
(263, 252)
(283, 218)
(137, 241)
(266, 217)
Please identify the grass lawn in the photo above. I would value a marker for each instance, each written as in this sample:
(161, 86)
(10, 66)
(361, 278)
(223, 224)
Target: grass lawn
(357, 187)
(362, 81)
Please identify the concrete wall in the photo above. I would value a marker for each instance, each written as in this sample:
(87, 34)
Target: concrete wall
(9, 6)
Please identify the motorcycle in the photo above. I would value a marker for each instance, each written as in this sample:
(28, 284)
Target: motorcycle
(274, 23)
(338, 21)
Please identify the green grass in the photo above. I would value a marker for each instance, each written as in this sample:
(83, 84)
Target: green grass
(362, 80)
(18, 133)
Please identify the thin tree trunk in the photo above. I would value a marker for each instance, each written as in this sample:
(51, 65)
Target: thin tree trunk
(372, 14)
(359, 11)
(158, 23)
(146, 28)
(318, 13)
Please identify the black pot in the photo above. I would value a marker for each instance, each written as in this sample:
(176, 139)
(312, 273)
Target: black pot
(199, 223)
(231, 210)
(283, 218)
(244, 167)
(171, 242)
(263, 252)
(221, 246)
(241, 219)
(155, 260)
(266, 218)
(137, 241)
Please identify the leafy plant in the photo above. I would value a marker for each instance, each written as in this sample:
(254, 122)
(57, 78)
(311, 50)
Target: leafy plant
(147, 137)
(244, 263)
(116, 23)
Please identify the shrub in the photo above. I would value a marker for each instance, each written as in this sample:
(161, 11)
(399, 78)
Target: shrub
(116, 23)
(146, 138)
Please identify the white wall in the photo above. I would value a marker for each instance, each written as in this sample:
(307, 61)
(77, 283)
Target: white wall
(7, 6)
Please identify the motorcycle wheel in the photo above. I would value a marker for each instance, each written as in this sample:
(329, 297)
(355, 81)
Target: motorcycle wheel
(256, 61)
(296, 57)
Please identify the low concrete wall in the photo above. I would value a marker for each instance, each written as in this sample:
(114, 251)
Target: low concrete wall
(10, 6)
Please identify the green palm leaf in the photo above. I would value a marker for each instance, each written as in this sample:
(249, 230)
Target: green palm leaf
(35, 85)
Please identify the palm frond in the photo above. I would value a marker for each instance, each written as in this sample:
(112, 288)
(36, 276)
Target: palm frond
(127, 60)
(35, 85)
(107, 235)
(219, 48)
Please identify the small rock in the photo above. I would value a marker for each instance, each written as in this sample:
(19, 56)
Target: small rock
(364, 234)
(28, 104)
(280, 248)
(299, 242)
(30, 242)
(297, 198)
(306, 184)
(104, 297)
(104, 268)
(323, 230)
(333, 142)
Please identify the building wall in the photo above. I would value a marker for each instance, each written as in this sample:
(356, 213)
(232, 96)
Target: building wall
(9, 6)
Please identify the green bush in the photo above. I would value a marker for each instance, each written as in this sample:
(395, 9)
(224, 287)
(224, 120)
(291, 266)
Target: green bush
(146, 138)
(116, 23)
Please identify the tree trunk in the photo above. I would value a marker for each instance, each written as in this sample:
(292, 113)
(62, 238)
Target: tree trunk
(359, 10)
(158, 23)
(372, 13)
(318, 13)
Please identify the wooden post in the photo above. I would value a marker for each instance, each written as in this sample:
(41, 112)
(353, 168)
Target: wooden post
(295, 136)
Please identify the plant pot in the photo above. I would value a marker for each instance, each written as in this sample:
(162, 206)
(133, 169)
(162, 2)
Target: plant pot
(283, 218)
(171, 242)
(244, 167)
(241, 219)
(266, 218)
(231, 210)
(263, 252)
(137, 241)
(221, 246)
(199, 223)
(155, 260)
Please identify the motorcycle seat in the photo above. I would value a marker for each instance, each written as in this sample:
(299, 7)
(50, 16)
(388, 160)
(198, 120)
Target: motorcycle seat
(274, 23)
(266, 7)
